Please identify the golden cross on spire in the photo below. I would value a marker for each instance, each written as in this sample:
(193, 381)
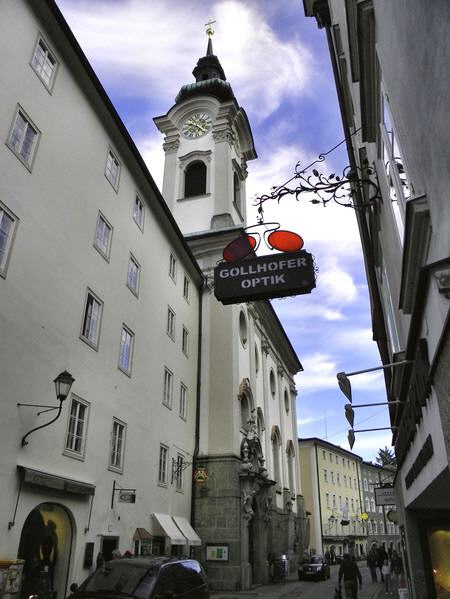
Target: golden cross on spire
(209, 28)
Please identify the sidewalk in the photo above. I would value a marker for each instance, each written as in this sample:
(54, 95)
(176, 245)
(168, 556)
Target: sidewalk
(293, 589)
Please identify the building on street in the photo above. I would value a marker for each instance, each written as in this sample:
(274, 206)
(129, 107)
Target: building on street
(331, 480)
(390, 61)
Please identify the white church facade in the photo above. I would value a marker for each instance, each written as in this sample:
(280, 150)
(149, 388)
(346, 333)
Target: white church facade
(180, 405)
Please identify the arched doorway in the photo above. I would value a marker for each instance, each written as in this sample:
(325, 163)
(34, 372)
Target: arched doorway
(45, 544)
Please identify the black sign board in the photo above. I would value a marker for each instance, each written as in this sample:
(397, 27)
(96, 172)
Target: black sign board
(265, 277)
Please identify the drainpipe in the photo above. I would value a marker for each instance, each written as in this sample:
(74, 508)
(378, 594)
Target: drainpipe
(198, 397)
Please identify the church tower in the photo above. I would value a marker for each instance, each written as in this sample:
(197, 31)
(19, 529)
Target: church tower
(207, 144)
(248, 504)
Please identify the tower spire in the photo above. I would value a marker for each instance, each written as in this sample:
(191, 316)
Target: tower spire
(209, 33)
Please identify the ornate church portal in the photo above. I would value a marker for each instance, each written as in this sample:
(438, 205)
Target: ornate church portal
(45, 544)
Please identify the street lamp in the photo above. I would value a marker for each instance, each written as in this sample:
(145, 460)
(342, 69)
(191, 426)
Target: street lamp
(63, 383)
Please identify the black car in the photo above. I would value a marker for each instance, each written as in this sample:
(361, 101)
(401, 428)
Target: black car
(314, 568)
(145, 578)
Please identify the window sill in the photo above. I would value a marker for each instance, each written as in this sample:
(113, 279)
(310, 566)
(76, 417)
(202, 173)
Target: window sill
(73, 455)
(196, 197)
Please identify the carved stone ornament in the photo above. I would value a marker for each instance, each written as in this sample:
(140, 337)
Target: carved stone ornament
(266, 509)
(171, 145)
(223, 135)
(247, 501)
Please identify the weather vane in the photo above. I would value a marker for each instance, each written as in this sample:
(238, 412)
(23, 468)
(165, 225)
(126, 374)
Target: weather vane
(209, 28)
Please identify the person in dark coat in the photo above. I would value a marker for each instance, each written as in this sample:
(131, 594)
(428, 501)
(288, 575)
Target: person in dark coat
(381, 556)
(349, 571)
(372, 562)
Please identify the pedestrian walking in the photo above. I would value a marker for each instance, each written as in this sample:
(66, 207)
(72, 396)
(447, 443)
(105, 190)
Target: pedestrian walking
(372, 562)
(381, 556)
(349, 571)
(386, 572)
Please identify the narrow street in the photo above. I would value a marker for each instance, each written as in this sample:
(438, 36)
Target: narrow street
(293, 589)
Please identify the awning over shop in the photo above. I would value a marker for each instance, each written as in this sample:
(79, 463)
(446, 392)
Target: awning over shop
(185, 527)
(53, 481)
(170, 529)
(142, 534)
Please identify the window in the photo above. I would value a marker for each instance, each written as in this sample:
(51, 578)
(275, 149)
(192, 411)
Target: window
(276, 443)
(372, 504)
(168, 386)
(23, 138)
(173, 267)
(112, 170)
(186, 290)
(286, 401)
(170, 323)
(334, 501)
(185, 341)
(332, 477)
(382, 528)
(163, 460)
(138, 212)
(195, 179)
(103, 235)
(352, 504)
(350, 482)
(366, 486)
(76, 430)
(325, 475)
(327, 497)
(133, 275)
(338, 478)
(331, 457)
(90, 329)
(337, 460)
(399, 188)
(237, 192)
(117, 445)
(126, 350)
(7, 230)
(375, 531)
(179, 476)
(290, 464)
(272, 382)
(44, 63)
(324, 455)
(367, 504)
(345, 480)
(183, 401)
(243, 329)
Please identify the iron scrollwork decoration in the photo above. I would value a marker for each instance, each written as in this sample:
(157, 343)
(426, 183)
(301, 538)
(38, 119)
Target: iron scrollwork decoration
(326, 188)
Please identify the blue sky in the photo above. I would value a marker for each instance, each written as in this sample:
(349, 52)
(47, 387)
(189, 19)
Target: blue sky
(277, 62)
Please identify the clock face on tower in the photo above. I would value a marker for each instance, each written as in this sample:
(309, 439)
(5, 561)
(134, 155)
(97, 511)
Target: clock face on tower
(196, 125)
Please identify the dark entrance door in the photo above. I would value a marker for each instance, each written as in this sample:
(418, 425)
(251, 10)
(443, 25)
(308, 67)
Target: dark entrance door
(108, 546)
(45, 545)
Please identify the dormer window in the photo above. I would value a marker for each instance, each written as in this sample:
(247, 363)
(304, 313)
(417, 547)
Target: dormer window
(195, 179)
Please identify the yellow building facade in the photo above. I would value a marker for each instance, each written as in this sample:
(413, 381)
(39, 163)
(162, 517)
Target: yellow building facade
(331, 482)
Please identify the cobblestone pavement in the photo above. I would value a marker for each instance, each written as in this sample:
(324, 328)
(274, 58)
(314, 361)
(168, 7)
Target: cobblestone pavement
(293, 589)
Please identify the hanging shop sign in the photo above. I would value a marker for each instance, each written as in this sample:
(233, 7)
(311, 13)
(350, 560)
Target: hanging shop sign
(126, 496)
(265, 277)
(384, 495)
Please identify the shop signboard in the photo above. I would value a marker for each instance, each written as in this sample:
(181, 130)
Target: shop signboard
(264, 277)
(384, 495)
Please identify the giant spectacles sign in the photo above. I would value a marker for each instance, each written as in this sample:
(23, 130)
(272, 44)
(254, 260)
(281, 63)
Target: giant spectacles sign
(267, 277)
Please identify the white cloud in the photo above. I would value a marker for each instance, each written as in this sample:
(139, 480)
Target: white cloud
(153, 47)
(319, 373)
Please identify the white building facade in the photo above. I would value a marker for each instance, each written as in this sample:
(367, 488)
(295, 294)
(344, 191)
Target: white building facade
(96, 279)
(390, 61)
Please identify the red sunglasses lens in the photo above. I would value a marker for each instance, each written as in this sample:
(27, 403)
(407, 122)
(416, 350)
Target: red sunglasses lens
(285, 241)
(239, 248)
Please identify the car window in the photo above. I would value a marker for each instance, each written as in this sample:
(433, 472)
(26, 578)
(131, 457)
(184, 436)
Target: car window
(190, 576)
(121, 577)
(316, 559)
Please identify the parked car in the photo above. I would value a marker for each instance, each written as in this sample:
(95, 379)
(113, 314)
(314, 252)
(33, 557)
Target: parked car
(145, 578)
(314, 568)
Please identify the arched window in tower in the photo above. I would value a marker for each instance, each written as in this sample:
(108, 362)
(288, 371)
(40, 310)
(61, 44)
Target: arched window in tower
(237, 192)
(276, 443)
(195, 179)
(290, 464)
